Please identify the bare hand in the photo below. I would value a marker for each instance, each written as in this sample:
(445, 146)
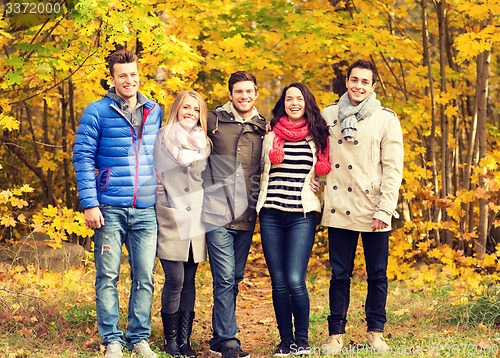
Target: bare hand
(378, 225)
(314, 184)
(94, 218)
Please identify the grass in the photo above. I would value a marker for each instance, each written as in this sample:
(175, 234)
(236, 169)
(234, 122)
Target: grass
(421, 323)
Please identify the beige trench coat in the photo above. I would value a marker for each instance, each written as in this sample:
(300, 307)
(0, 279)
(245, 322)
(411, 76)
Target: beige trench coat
(366, 174)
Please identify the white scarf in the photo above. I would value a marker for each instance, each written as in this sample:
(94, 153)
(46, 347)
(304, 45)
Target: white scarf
(186, 147)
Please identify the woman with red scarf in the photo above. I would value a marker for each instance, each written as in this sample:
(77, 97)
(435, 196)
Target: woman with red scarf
(294, 153)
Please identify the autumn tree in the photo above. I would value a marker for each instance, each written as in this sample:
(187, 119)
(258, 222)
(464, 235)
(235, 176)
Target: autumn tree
(431, 56)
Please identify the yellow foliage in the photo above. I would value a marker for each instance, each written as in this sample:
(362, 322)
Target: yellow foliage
(8, 123)
(489, 260)
(47, 165)
(7, 220)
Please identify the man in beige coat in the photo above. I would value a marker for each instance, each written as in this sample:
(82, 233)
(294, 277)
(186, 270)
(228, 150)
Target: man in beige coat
(361, 193)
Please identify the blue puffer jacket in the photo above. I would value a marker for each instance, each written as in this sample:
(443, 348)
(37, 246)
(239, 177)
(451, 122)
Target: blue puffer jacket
(113, 165)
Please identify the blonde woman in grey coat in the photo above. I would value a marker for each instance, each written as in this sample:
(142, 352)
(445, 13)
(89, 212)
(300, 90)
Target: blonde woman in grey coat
(181, 150)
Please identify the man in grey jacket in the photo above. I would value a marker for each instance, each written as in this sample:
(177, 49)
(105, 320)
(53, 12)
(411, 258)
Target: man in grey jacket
(231, 184)
(361, 193)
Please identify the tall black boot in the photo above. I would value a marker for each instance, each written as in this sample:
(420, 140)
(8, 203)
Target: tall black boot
(170, 324)
(183, 338)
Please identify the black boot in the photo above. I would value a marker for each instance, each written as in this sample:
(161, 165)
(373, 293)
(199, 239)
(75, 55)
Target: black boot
(183, 338)
(170, 324)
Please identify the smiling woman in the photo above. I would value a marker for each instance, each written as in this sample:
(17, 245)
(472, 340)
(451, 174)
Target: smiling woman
(294, 153)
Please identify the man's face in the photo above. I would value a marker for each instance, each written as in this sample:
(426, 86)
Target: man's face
(125, 79)
(359, 85)
(243, 98)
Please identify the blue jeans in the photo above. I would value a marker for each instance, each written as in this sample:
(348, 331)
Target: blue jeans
(342, 249)
(228, 251)
(136, 228)
(287, 240)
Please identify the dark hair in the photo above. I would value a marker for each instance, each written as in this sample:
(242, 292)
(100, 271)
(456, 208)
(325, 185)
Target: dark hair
(240, 76)
(120, 56)
(315, 122)
(364, 64)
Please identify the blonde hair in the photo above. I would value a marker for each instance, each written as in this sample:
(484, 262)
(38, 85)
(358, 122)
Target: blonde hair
(174, 110)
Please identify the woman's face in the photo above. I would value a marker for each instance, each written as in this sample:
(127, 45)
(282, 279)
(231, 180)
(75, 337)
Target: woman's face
(295, 105)
(188, 114)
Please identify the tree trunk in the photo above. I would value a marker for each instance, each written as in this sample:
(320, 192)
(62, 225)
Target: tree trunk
(445, 159)
(483, 72)
(431, 148)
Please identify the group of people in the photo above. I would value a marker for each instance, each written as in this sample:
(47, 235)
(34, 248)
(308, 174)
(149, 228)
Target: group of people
(198, 184)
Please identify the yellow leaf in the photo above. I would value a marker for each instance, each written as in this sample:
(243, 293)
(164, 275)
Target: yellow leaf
(490, 260)
(47, 165)
(481, 193)
(50, 211)
(401, 311)
(7, 221)
(9, 123)
(451, 111)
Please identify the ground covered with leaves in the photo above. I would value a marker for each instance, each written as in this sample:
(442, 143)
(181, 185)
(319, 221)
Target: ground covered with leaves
(52, 314)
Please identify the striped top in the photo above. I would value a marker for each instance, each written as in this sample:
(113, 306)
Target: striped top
(287, 178)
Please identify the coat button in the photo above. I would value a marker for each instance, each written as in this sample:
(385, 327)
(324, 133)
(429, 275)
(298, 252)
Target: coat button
(335, 187)
(332, 211)
(349, 189)
(188, 208)
(186, 189)
(337, 166)
(348, 212)
(356, 142)
(340, 141)
(349, 167)
(367, 191)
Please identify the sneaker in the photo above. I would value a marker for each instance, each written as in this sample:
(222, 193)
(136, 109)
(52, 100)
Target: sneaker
(230, 349)
(377, 342)
(217, 351)
(114, 350)
(142, 349)
(300, 347)
(334, 344)
(283, 349)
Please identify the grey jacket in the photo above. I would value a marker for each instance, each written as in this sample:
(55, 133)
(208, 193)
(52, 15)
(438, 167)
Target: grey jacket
(179, 201)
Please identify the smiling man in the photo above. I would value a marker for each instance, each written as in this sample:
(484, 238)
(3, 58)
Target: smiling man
(361, 193)
(113, 161)
(231, 184)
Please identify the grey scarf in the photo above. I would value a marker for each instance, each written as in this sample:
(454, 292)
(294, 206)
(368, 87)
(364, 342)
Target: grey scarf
(349, 114)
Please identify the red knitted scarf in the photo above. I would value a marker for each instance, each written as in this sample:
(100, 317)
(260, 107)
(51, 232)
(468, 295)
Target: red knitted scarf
(285, 130)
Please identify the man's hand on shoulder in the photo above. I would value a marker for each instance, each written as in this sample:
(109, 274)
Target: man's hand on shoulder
(94, 218)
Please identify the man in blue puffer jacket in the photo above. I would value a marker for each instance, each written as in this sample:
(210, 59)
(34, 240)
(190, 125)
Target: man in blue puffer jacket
(113, 160)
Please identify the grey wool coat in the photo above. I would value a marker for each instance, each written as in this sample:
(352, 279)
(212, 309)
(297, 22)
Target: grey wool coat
(179, 201)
